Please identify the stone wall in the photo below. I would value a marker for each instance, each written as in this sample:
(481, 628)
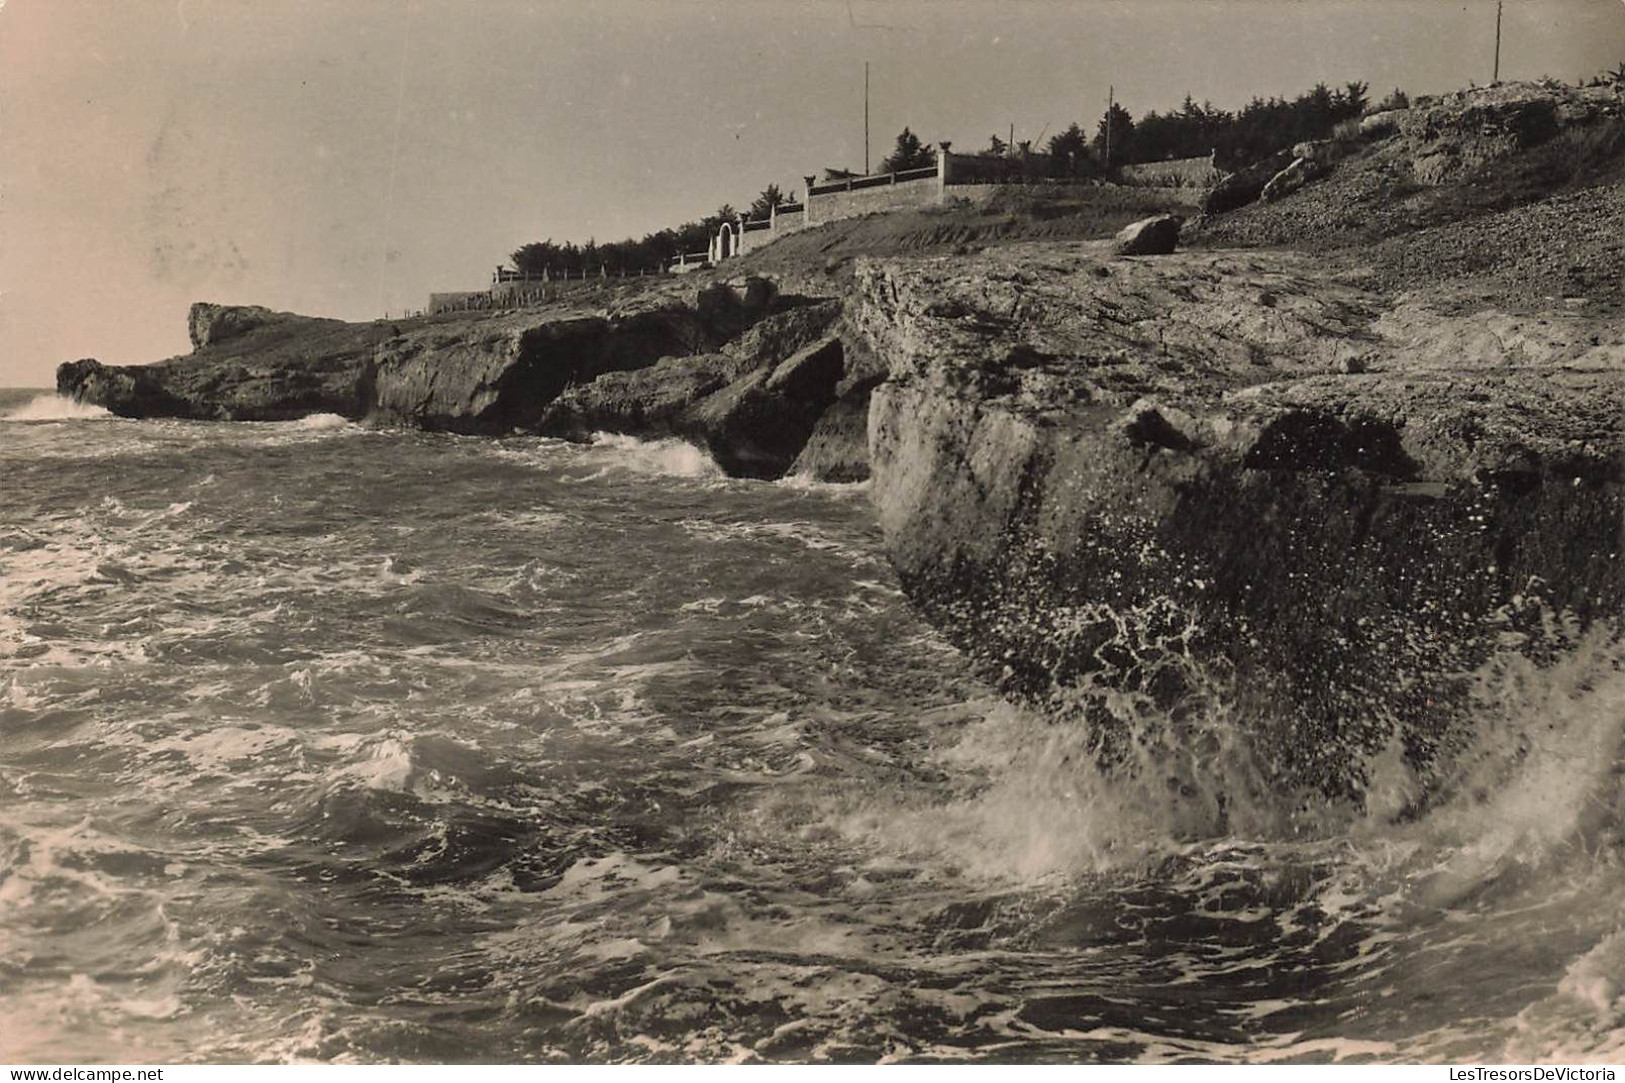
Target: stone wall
(865, 195)
(453, 301)
(1178, 173)
(998, 169)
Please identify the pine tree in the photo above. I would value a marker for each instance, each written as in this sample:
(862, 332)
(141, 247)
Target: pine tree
(909, 153)
(1119, 124)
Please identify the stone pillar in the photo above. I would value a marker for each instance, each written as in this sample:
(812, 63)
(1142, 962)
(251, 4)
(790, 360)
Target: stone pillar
(942, 170)
(806, 201)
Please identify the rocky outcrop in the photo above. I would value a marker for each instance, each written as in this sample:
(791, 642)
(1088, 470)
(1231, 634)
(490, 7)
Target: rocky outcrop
(1243, 186)
(480, 372)
(208, 324)
(757, 426)
(1155, 236)
(129, 391)
(1442, 158)
(1119, 485)
(731, 365)
(502, 373)
(269, 367)
(755, 419)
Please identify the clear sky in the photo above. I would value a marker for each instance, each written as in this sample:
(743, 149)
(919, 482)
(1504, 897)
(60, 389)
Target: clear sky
(345, 157)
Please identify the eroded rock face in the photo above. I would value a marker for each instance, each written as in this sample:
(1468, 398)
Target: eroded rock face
(481, 372)
(208, 324)
(269, 367)
(1121, 485)
(753, 405)
(502, 373)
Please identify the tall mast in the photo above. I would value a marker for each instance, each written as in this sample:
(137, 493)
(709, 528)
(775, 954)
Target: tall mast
(1497, 76)
(865, 118)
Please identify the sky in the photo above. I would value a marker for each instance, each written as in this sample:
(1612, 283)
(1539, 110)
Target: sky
(346, 157)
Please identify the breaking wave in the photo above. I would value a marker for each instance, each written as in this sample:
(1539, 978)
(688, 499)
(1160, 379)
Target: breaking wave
(429, 748)
(52, 407)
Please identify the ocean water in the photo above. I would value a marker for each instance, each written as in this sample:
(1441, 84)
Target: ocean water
(321, 743)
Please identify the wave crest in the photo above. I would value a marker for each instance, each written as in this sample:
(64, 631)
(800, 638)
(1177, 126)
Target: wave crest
(54, 407)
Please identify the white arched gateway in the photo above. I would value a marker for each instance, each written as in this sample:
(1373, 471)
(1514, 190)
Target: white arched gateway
(725, 244)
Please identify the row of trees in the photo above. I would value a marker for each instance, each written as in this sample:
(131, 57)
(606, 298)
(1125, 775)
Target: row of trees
(653, 252)
(1255, 131)
(656, 250)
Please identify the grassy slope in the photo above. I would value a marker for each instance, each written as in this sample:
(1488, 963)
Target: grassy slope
(1052, 214)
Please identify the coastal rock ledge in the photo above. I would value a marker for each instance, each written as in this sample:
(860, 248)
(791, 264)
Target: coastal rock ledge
(1144, 491)
(732, 366)
(1176, 498)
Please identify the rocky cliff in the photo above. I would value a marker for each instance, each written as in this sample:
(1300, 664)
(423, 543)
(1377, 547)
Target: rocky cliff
(1118, 482)
(1315, 491)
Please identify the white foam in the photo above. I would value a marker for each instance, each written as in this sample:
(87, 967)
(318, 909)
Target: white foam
(322, 422)
(671, 457)
(53, 407)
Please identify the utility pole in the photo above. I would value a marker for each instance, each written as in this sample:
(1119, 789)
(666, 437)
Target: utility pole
(865, 118)
(1111, 96)
(1497, 76)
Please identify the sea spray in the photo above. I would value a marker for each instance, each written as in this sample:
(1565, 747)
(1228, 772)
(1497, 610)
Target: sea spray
(48, 406)
(644, 765)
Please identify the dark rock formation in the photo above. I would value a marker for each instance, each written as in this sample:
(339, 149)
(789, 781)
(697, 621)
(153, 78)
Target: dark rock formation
(484, 372)
(1244, 185)
(129, 391)
(649, 402)
(753, 406)
(268, 367)
(1118, 485)
(208, 324)
(501, 373)
(758, 425)
(1155, 236)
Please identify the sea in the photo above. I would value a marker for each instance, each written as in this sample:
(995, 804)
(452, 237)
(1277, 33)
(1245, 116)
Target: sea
(321, 743)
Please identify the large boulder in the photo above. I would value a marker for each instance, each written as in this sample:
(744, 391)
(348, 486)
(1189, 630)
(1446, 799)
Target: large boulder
(1290, 179)
(1155, 236)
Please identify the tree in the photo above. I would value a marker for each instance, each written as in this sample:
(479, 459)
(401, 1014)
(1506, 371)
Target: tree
(763, 206)
(1115, 131)
(1069, 152)
(909, 153)
(1355, 100)
(997, 147)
